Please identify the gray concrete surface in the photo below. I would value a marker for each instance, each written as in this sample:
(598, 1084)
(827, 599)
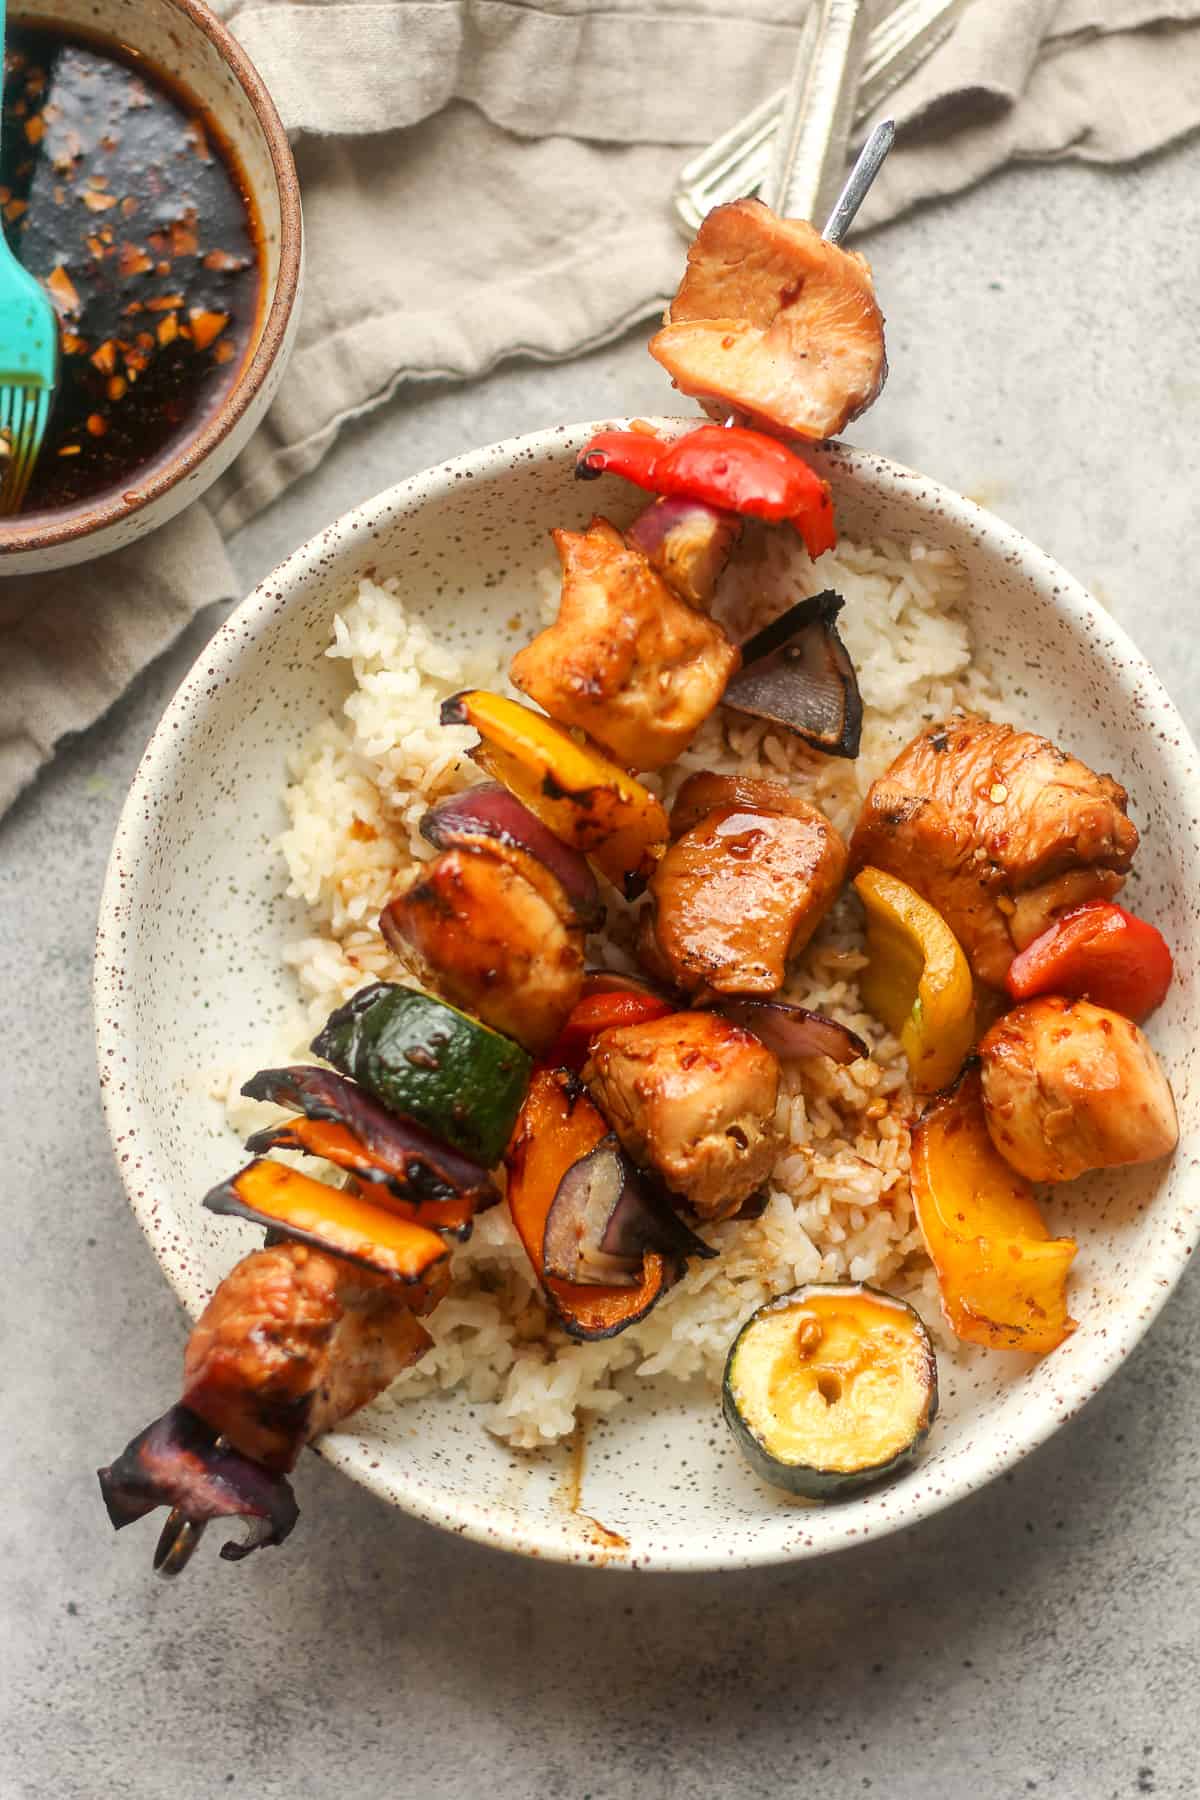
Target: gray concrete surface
(1038, 1640)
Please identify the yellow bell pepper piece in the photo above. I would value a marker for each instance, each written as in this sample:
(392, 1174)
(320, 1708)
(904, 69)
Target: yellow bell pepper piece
(918, 980)
(586, 800)
(1001, 1276)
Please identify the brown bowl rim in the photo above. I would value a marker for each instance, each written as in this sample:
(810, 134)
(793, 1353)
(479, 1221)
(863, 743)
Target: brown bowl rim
(54, 531)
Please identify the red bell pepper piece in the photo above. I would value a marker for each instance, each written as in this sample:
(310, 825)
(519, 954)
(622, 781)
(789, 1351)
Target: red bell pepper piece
(596, 1013)
(729, 467)
(1097, 952)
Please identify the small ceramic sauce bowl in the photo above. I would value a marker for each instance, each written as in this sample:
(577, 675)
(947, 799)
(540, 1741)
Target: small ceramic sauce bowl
(187, 43)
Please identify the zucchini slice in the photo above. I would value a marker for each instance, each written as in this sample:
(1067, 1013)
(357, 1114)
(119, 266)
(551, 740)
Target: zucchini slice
(457, 1077)
(830, 1389)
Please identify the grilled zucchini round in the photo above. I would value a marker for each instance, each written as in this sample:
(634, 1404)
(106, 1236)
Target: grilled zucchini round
(830, 1389)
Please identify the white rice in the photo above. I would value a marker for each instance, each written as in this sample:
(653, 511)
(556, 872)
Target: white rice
(839, 1202)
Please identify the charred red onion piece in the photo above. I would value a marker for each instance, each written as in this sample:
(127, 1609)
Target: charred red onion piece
(490, 811)
(688, 542)
(178, 1462)
(796, 672)
(794, 1031)
(605, 1216)
(409, 1161)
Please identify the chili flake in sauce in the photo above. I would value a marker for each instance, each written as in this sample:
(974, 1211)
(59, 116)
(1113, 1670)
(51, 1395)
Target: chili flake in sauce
(119, 194)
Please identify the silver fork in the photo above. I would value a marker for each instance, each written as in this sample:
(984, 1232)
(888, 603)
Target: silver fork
(809, 148)
(739, 161)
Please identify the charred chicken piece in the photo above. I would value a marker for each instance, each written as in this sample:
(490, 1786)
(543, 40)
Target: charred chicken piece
(692, 1097)
(294, 1340)
(492, 930)
(774, 322)
(742, 888)
(999, 830)
(627, 660)
(1068, 1086)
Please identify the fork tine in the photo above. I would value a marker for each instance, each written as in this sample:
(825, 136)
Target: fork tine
(12, 418)
(7, 480)
(23, 414)
(35, 406)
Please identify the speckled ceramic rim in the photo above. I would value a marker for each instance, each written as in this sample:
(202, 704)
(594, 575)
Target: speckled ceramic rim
(77, 524)
(164, 766)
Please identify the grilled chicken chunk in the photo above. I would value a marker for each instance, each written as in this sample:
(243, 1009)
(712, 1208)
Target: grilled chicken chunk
(493, 931)
(742, 889)
(775, 322)
(692, 1097)
(1068, 1086)
(999, 830)
(294, 1340)
(627, 661)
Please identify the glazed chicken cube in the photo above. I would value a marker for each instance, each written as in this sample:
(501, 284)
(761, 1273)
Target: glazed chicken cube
(742, 888)
(999, 830)
(774, 322)
(492, 930)
(627, 661)
(693, 1097)
(1068, 1086)
(294, 1340)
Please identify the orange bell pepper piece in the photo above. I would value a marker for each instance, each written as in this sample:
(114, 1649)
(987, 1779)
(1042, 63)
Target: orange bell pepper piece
(338, 1144)
(333, 1219)
(587, 800)
(1001, 1276)
(557, 1127)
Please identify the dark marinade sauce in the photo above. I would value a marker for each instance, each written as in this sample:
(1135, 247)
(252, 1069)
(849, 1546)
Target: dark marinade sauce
(119, 195)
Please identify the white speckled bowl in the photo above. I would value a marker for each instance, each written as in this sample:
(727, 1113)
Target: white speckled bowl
(187, 975)
(189, 44)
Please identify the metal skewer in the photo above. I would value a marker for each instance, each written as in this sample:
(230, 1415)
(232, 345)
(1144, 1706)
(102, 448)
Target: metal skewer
(177, 1543)
(180, 1536)
(858, 182)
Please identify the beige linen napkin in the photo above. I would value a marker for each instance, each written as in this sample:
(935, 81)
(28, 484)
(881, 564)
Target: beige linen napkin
(485, 178)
